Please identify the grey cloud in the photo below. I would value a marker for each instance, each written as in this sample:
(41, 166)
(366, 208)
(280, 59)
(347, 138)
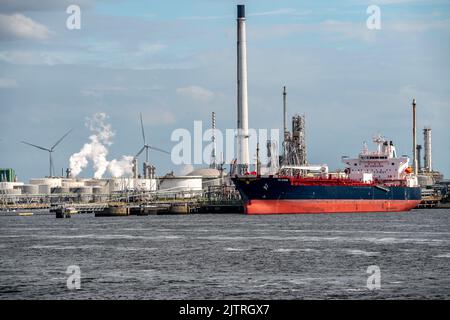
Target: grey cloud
(8, 83)
(13, 6)
(18, 26)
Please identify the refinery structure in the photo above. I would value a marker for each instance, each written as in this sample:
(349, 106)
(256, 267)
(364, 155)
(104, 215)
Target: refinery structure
(141, 186)
(210, 187)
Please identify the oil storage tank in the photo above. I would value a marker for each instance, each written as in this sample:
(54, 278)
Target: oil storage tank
(181, 186)
(52, 182)
(30, 189)
(84, 193)
(210, 176)
(44, 189)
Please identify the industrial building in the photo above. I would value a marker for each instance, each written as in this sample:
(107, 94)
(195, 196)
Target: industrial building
(434, 191)
(202, 180)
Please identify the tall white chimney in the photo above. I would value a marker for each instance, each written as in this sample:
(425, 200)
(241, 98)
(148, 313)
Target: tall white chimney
(242, 100)
(414, 149)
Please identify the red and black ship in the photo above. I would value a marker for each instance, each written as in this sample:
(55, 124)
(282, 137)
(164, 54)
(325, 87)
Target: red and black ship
(374, 182)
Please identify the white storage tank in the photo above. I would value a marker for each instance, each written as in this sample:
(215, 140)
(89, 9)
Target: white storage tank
(100, 194)
(6, 185)
(85, 193)
(96, 182)
(30, 189)
(100, 190)
(210, 176)
(10, 185)
(52, 182)
(60, 190)
(12, 191)
(44, 189)
(81, 190)
(185, 186)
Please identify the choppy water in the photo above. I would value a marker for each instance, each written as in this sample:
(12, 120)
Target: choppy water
(227, 256)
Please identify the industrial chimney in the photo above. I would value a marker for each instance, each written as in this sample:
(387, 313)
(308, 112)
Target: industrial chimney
(242, 101)
(414, 149)
(285, 130)
(213, 140)
(419, 152)
(427, 151)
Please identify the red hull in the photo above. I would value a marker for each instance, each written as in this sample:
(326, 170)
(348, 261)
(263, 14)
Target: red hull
(327, 206)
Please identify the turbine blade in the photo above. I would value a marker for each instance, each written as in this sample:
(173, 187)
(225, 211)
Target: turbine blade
(142, 128)
(158, 149)
(140, 151)
(57, 142)
(33, 145)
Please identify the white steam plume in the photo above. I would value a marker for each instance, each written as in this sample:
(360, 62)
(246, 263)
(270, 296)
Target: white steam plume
(97, 150)
(118, 168)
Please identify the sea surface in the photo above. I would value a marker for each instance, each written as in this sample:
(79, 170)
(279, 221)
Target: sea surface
(228, 256)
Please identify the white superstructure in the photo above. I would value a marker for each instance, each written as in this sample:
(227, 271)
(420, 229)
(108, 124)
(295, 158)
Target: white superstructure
(380, 165)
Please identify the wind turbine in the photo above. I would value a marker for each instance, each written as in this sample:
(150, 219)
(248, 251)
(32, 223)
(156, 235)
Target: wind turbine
(50, 151)
(146, 146)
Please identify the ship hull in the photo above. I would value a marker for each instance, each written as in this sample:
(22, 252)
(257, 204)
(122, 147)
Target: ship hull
(270, 195)
(327, 206)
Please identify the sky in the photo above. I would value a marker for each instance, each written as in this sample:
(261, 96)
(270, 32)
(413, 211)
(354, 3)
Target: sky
(175, 62)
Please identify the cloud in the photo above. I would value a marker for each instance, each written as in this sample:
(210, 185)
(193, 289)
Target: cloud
(419, 26)
(151, 48)
(388, 2)
(347, 30)
(207, 17)
(13, 6)
(159, 117)
(7, 83)
(344, 30)
(20, 57)
(18, 26)
(277, 12)
(197, 93)
(102, 89)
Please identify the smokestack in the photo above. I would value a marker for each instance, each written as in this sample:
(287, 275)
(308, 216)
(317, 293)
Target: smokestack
(258, 162)
(415, 166)
(146, 170)
(427, 151)
(242, 100)
(284, 110)
(135, 168)
(284, 122)
(419, 152)
(213, 139)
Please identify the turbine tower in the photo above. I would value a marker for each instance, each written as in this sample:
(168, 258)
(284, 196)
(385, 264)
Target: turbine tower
(145, 147)
(50, 151)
